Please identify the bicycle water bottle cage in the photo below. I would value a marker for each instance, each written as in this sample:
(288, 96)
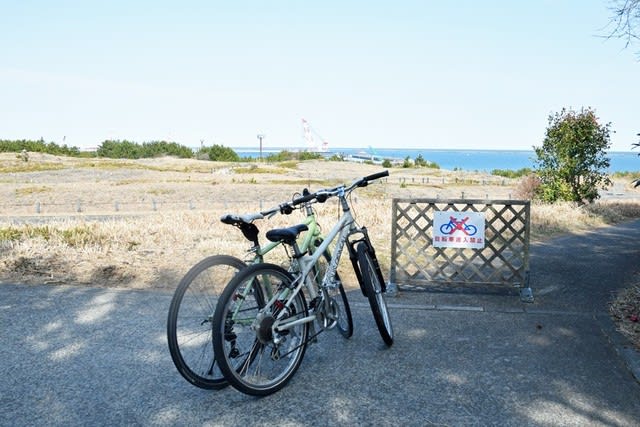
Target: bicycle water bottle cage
(287, 235)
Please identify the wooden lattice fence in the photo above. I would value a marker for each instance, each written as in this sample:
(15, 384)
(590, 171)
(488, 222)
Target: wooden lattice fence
(503, 262)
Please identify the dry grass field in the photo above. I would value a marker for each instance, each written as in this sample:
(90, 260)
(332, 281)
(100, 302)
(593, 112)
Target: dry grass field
(144, 223)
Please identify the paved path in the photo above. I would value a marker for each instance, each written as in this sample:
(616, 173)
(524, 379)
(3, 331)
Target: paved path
(91, 356)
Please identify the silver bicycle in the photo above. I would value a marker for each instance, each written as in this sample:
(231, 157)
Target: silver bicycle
(190, 318)
(259, 339)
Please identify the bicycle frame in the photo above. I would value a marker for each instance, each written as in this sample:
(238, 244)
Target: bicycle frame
(341, 231)
(310, 237)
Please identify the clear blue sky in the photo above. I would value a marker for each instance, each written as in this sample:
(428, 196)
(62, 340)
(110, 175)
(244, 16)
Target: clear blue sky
(407, 74)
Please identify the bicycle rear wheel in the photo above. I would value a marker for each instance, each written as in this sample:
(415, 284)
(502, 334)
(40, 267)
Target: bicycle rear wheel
(189, 322)
(253, 357)
(373, 285)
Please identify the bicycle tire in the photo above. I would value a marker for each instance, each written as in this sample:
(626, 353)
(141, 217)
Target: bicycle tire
(446, 228)
(245, 348)
(372, 283)
(471, 229)
(189, 322)
(343, 317)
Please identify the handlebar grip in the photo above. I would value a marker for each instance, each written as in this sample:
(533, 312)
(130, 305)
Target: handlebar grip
(376, 176)
(303, 199)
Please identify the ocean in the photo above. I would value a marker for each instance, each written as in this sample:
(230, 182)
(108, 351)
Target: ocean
(469, 160)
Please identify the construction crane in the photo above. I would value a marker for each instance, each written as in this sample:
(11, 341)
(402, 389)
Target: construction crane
(308, 134)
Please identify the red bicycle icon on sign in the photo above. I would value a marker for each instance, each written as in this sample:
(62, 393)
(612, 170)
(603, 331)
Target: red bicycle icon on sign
(454, 225)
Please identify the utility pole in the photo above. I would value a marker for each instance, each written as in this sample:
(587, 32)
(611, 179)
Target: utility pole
(261, 136)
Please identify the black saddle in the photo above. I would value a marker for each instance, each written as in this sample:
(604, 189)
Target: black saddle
(287, 235)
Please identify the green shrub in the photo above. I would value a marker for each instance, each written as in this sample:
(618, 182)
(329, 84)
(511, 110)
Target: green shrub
(132, 150)
(219, 153)
(509, 173)
(9, 146)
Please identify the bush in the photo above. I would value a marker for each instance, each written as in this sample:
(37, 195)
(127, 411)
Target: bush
(219, 153)
(509, 173)
(119, 150)
(420, 162)
(17, 146)
(131, 150)
(286, 155)
(528, 188)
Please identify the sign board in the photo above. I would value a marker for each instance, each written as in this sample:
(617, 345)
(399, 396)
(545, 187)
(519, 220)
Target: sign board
(452, 229)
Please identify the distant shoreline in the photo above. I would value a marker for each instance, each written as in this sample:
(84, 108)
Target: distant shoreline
(251, 149)
(454, 159)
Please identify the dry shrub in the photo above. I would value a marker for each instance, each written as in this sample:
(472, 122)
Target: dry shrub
(613, 212)
(548, 220)
(625, 310)
(153, 250)
(528, 187)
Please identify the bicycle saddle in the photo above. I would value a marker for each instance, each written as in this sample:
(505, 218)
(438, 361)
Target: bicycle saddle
(287, 235)
(238, 219)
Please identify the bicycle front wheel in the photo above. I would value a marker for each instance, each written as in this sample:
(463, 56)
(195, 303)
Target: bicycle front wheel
(189, 323)
(374, 289)
(255, 357)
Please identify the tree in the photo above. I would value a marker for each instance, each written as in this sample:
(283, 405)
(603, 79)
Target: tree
(626, 20)
(220, 153)
(420, 161)
(572, 161)
(407, 162)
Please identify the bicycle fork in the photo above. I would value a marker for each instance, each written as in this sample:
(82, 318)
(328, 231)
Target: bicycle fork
(353, 257)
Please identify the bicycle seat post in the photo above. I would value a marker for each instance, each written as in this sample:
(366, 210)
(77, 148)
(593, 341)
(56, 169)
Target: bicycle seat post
(296, 249)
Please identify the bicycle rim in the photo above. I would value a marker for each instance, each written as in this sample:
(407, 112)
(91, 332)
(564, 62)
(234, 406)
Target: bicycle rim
(189, 322)
(253, 359)
(373, 286)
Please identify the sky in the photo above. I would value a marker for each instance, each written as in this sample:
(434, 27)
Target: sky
(385, 74)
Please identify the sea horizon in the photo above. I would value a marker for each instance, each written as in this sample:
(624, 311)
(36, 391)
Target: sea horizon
(480, 159)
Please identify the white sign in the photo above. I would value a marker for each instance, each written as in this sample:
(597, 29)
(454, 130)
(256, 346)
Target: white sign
(453, 229)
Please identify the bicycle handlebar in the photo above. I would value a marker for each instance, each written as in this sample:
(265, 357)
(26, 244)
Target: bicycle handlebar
(375, 176)
(287, 208)
(321, 196)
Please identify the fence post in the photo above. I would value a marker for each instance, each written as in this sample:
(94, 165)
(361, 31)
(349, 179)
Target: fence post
(155, 206)
(116, 206)
(37, 207)
(78, 206)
